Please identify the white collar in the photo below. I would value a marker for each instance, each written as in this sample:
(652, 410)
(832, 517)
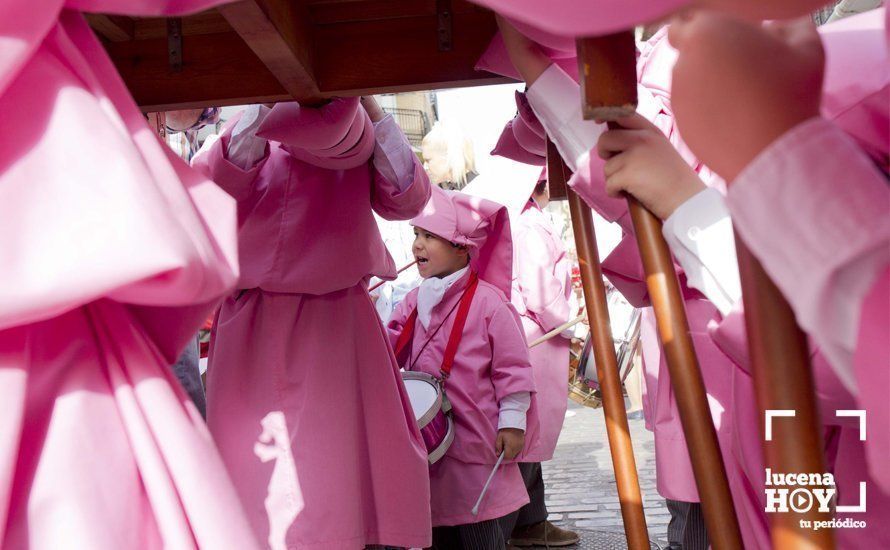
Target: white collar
(431, 292)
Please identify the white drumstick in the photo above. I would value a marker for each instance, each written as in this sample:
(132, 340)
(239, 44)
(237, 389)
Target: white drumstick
(488, 481)
(558, 330)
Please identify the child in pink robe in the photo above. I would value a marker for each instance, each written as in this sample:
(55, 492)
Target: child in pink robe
(304, 398)
(542, 289)
(113, 253)
(459, 239)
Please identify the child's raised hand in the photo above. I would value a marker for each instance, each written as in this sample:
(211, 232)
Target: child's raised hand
(375, 112)
(642, 162)
(511, 441)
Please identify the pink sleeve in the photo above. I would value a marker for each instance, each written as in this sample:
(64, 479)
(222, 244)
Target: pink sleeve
(511, 370)
(392, 203)
(234, 180)
(543, 293)
(814, 210)
(590, 184)
(393, 156)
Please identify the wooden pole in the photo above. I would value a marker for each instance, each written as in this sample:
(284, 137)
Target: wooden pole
(783, 380)
(617, 429)
(607, 69)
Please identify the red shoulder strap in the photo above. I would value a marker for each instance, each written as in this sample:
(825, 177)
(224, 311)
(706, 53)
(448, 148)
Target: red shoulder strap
(406, 335)
(457, 329)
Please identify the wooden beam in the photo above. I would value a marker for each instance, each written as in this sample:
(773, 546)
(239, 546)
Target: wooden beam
(220, 69)
(607, 98)
(402, 54)
(112, 27)
(279, 34)
(208, 22)
(217, 70)
(558, 174)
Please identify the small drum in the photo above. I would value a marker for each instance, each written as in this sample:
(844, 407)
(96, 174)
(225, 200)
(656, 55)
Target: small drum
(432, 410)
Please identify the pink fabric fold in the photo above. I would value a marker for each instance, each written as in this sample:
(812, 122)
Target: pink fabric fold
(496, 60)
(337, 136)
(509, 147)
(855, 92)
(115, 253)
(570, 18)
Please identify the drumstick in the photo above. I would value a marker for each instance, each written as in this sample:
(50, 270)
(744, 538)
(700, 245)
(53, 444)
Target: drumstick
(488, 481)
(555, 332)
(375, 286)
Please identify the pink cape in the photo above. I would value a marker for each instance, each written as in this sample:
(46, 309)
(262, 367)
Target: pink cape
(115, 252)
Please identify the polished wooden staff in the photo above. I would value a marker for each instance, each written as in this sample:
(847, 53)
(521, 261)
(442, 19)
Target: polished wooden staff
(609, 91)
(783, 380)
(558, 330)
(617, 429)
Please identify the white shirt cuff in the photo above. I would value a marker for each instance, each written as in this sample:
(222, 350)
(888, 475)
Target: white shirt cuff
(245, 148)
(513, 409)
(700, 235)
(556, 100)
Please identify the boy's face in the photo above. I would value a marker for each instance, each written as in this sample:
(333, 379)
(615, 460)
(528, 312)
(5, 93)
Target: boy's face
(437, 257)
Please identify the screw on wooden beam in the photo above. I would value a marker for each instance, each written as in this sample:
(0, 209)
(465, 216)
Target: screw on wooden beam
(174, 43)
(444, 25)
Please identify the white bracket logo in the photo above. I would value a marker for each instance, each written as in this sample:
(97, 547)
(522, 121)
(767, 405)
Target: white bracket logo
(788, 413)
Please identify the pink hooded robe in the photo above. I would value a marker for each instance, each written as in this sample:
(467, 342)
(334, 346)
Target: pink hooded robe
(113, 254)
(304, 396)
(491, 361)
(541, 289)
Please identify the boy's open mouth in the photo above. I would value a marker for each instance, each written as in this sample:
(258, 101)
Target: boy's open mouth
(421, 260)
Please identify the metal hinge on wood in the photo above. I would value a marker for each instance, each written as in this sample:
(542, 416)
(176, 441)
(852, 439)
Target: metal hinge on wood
(174, 43)
(443, 25)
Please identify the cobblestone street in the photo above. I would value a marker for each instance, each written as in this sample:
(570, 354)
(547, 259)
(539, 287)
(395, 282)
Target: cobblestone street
(581, 491)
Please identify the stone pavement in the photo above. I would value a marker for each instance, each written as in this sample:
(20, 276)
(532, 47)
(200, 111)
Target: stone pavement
(580, 482)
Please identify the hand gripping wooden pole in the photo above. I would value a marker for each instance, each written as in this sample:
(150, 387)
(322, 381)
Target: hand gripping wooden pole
(608, 75)
(617, 429)
(783, 380)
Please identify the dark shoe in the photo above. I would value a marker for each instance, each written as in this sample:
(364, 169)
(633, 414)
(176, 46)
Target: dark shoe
(543, 534)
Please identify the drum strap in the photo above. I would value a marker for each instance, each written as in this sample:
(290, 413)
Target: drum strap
(457, 329)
